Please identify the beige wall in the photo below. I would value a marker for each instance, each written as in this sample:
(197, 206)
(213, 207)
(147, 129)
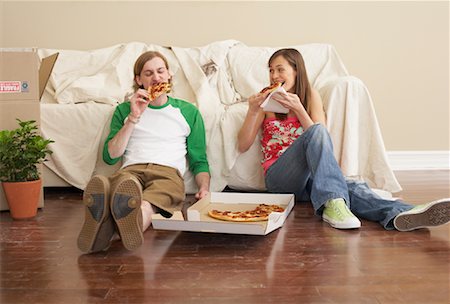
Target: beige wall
(399, 49)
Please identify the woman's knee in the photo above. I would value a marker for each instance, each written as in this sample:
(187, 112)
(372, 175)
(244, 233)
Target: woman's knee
(319, 132)
(318, 128)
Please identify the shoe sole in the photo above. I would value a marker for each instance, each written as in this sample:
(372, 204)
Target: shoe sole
(104, 235)
(126, 211)
(435, 214)
(338, 226)
(95, 199)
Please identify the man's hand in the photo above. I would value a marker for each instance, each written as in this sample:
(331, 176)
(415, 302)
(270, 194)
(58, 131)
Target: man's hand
(139, 102)
(202, 179)
(201, 194)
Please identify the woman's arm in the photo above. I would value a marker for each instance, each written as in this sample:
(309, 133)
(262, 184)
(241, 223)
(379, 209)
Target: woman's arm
(252, 123)
(316, 111)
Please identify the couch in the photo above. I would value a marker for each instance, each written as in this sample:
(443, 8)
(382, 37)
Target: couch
(85, 87)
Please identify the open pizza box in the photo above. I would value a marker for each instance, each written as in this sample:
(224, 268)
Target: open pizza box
(199, 220)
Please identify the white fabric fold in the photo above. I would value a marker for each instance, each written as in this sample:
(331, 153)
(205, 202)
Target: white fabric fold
(77, 130)
(356, 135)
(193, 61)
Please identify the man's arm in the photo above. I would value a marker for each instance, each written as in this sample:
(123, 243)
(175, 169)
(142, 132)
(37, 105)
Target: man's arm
(202, 179)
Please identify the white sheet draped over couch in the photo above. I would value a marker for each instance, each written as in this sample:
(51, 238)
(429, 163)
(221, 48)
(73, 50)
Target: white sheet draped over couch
(85, 87)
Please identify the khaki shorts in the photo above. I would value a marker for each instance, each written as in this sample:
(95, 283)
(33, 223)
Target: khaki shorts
(163, 186)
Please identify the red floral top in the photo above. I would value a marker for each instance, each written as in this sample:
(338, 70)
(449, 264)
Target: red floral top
(277, 136)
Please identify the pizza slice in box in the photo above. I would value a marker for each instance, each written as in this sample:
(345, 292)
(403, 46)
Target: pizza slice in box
(260, 213)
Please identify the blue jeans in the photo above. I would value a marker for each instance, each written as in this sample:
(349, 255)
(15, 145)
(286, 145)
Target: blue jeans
(309, 169)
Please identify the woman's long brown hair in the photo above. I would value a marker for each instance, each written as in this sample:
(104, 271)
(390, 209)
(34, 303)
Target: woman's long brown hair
(302, 86)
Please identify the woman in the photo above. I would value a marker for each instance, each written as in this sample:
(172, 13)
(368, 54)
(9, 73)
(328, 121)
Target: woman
(152, 134)
(298, 157)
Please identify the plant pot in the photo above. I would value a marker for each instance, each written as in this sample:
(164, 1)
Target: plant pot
(22, 198)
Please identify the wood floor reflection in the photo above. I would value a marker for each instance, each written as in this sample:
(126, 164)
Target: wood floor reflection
(306, 261)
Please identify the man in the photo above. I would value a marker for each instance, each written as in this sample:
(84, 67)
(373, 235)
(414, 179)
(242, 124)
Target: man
(152, 135)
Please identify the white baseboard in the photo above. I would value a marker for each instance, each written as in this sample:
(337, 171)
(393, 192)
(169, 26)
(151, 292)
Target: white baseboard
(419, 160)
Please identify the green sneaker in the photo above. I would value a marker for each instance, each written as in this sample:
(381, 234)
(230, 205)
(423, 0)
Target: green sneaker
(337, 214)
(426, 215)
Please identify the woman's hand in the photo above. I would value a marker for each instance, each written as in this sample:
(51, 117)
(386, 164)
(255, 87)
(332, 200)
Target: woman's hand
(255, 101)
(289, 100)
(293, 103)
(139, 102)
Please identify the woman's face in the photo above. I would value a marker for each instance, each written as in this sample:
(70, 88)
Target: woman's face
(153, 72)
(281, 71)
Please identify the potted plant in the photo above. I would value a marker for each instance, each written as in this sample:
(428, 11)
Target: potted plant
(21, 150)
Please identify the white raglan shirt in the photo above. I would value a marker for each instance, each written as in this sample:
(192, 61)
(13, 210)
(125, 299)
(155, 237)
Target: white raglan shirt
(149, 145)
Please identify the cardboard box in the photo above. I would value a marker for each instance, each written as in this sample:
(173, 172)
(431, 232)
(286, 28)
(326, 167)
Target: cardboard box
(22, 83)
(198, 219)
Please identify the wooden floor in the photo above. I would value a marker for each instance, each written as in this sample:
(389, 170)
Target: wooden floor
(306, 261)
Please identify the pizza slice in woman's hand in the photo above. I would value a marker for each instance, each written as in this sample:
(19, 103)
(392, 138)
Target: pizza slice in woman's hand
(272, 87)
